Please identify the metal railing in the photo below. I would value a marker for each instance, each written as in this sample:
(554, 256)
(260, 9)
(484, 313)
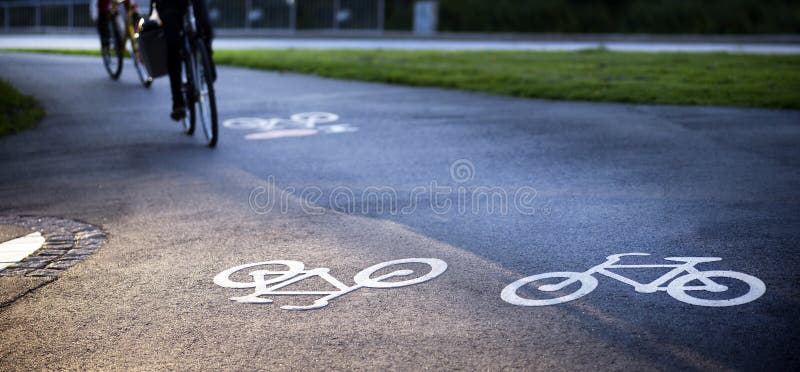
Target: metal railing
(256, 16)
(45, 15)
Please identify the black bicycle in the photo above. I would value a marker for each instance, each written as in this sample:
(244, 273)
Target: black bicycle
(198, 81)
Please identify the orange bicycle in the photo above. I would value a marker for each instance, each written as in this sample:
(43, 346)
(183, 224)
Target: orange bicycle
(124, 23)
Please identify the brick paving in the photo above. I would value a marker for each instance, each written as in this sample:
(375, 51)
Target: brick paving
(67, 243)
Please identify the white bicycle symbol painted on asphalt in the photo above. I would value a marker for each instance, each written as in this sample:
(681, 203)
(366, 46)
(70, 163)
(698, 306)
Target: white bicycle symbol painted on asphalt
(680, 288)
(296, 272)
(297, 125)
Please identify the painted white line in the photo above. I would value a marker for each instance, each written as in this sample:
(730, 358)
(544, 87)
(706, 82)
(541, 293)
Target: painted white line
(281, 133)
(16, 250)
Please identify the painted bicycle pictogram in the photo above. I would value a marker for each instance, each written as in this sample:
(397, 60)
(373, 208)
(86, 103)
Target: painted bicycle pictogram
(297, 125)
(680, 287)
(295, 272)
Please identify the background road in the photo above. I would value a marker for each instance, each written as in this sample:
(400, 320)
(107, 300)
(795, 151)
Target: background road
(609, 178)
(755, 45)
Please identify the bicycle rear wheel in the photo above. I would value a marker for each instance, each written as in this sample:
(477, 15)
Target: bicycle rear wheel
(206, 99)
(364, 278)
(587, 284)
(113, 55)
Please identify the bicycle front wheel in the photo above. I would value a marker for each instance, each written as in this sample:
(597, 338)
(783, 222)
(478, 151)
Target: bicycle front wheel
(680, 289)
(363, 278)
(206, 99)
(113, 55)
(188, 84)
(141, 70)
(136, 55)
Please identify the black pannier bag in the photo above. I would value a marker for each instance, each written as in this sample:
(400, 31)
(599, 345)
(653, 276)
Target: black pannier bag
(153, 47)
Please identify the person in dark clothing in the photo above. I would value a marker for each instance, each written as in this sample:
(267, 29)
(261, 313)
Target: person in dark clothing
(171, 13)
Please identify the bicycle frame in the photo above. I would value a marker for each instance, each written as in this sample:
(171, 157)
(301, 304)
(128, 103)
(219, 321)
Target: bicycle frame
(687, 266)
(190, 24)
(130, 32)
(261, 288)
(190, 30)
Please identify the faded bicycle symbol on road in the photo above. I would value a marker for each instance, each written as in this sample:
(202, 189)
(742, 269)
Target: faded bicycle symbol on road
(271, 282)
(680, 288)
(297, 125)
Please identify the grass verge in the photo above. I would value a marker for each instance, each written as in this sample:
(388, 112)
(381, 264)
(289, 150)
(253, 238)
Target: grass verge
(771, 81)
(17, 111)
(594, 75)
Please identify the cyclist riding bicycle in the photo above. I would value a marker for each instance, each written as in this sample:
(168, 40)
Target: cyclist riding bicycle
(172, 13)
(103, 17)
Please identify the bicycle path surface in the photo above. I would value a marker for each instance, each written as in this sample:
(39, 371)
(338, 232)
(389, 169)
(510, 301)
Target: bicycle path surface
(607, 179)
(702, 45)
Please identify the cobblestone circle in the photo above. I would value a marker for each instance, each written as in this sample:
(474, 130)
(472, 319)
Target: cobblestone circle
(67, 243)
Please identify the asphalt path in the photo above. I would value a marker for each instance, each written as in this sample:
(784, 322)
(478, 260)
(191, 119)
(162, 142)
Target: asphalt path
(600, 179)
(701, 45)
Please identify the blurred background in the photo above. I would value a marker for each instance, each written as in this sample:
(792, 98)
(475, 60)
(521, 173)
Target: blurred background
(370, 17)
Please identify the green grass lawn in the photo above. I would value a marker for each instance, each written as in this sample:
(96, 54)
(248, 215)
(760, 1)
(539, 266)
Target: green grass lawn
(17, 111)
(771, 81)
(595, 75)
